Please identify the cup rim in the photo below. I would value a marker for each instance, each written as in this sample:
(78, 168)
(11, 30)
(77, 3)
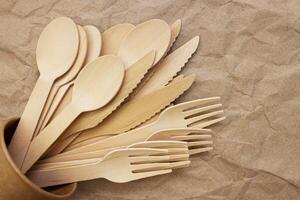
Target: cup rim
(21, 175)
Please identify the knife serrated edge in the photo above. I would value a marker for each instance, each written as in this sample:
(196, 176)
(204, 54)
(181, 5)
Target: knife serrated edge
(169, 67)
(175, 30)
(91, 119)
(142, 112)
(152, 119)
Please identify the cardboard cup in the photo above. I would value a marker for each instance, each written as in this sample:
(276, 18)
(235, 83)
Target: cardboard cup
(16, 186)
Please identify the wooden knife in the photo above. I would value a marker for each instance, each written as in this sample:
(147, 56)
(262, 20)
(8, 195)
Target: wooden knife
(169, 67)
(138, 110)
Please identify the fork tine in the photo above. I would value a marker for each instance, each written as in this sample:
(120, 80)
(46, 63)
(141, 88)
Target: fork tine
(202, 109)
(199, 150)
(180, 164)
(158, 166)
(177, 150)
(159, 144)
(167, 134)
(208, 123)
(204, 116)
(140, 175)
(149, 159)
(130, 152)
(199, 143)
(196, 102)
(192, 137)
(149, 167)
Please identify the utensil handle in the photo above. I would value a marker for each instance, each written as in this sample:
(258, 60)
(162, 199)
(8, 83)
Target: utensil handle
(124, 139)
(59, 176)
(51, 106)
(49, 135)
(27, 124)
(45, 109)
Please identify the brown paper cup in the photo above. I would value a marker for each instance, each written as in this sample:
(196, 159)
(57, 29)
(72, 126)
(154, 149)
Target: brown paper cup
(13, 184)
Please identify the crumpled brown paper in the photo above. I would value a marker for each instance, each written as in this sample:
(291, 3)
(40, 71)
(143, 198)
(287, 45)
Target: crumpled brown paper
(249, 55)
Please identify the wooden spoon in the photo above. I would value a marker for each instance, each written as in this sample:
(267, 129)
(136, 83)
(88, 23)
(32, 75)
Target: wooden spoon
(56, 51)
(94, 87)
(67, 77)
(64, 94)
(175, 30)
(114, 36)
(151, 35)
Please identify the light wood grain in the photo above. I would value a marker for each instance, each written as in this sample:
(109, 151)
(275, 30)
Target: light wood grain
(64, 93)
(114, 36)
(134, 112)
(198, 140)
(175, 30)
(133, 76)
(94, 87)
(56, 52)
(151, 35)
(169, 67)
(119, 166)
(175, 147)
(94, 40)
(65, 79)
(178, 116)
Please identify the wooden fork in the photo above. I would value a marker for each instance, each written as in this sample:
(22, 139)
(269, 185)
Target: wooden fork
(198, 140)
(118, 166)
(197, 114)
(175, 147)
(177, 116)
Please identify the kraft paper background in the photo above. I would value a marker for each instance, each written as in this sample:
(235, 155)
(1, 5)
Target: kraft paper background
(249, 55)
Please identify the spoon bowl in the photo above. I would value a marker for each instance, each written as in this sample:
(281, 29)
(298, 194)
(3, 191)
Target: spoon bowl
(98, 83)
(114, 36)
(151, 35)
(57, 47)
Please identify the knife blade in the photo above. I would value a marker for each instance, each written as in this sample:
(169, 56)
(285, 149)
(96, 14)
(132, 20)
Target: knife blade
(169, 67)
(138, 110)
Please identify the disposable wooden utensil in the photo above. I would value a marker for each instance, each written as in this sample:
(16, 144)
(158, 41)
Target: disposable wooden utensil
(67, 77)
(94, 43)
(87, 120)
(155, 117)
(94, 87)
(118, 166)
(134, 112)
(196, 114)
(169, 67)
(198, 140)
(151, 35)
(56, 52)
(175, 34)
(175, 30)
(114, 36)
(64, 93)
(177, 149)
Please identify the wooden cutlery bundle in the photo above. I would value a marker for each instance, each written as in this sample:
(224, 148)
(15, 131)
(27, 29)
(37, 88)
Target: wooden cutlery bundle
(103, 106)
